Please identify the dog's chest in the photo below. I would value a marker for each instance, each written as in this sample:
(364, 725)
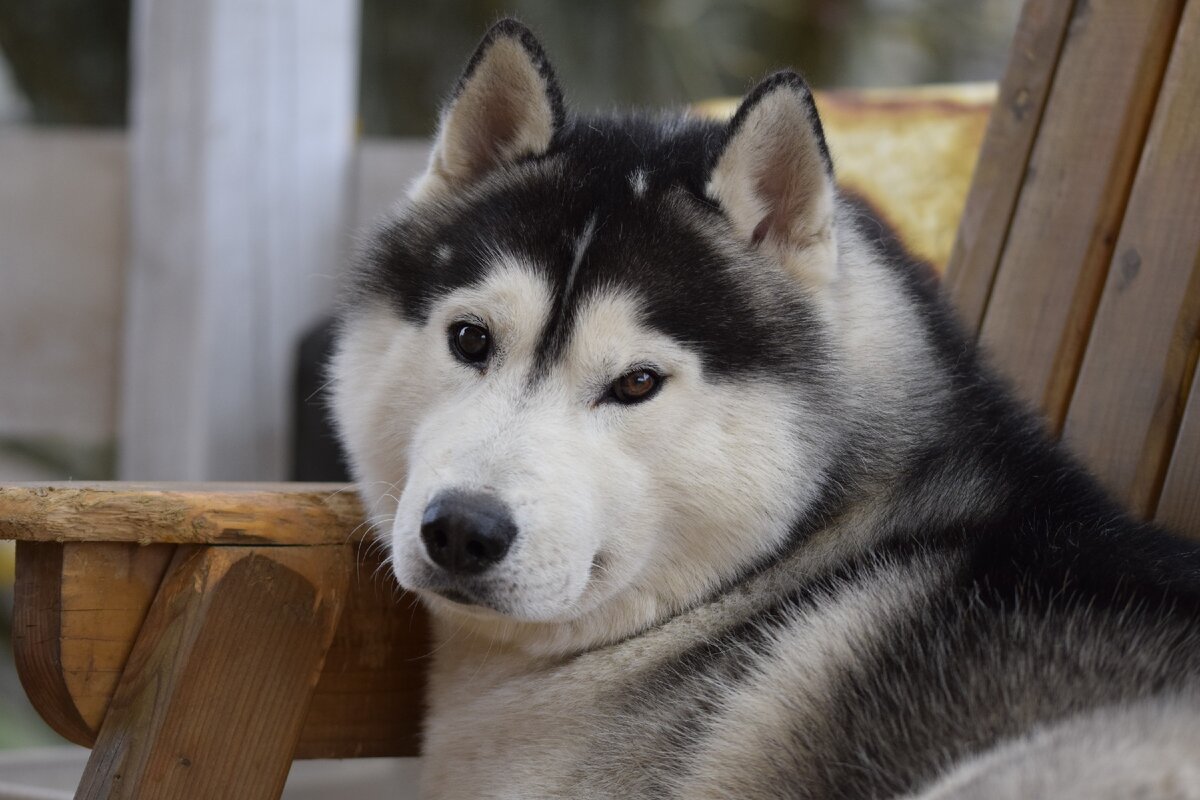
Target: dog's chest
(674, 712)
(494, 733)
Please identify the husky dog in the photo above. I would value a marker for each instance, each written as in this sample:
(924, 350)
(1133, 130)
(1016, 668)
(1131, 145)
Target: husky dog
(709, 495)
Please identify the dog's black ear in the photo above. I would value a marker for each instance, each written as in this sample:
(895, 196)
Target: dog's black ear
(507, 104)
(774, 177)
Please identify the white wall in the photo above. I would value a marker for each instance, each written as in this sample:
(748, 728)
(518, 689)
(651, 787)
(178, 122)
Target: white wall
(63, 248)
(241, 154)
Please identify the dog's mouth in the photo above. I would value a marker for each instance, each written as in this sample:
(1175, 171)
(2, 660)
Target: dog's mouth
(464, 599)
(466, 593)
(456, 596)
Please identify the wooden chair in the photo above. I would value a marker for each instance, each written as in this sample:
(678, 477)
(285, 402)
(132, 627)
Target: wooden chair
(1078, 255)
(200, 638)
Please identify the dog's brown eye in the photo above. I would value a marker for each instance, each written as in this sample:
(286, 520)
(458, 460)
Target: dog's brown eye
(471, 343)
(636, 386)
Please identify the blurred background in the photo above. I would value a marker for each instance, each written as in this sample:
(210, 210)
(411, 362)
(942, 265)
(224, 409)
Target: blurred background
(162, 163)
(66, 62)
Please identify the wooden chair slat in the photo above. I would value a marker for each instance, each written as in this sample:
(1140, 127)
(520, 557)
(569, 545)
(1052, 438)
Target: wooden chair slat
(1074, 193)
(1134, 379)
(81, 605)
(1179, 504)
(369, 700)
(244, 514)
(213, 696)
(106, 590)
(1000, 169)
(37, 640)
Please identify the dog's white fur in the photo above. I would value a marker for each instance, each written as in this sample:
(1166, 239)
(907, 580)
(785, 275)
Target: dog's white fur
(691, 486)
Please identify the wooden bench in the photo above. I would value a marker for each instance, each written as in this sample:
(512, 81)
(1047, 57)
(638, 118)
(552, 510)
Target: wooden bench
(200, 638)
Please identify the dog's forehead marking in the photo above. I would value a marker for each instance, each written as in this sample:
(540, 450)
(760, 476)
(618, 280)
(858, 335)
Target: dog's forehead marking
(604, 334)
(582, 242)
(563, 291)
(608, 334)
(581, 227)
(638, 182)
(515, 297)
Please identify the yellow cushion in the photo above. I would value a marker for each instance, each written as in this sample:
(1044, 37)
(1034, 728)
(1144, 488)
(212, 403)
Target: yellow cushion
(910, 152)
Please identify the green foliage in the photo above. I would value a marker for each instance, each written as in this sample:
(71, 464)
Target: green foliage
(70, 56)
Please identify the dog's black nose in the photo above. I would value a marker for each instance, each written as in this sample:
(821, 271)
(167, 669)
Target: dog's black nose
(467, 532)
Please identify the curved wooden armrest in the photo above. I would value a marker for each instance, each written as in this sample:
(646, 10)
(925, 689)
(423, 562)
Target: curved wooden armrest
(95, 561)
(181, 513)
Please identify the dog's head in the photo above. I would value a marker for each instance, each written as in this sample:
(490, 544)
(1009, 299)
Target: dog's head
(584, 376)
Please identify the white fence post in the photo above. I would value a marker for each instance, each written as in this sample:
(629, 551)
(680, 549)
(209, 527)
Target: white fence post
(243, 135)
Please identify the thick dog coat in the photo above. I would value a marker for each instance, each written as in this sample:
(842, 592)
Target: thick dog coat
(710, 497)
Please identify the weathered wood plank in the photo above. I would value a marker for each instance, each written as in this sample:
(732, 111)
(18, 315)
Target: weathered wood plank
(242, 145)
(1076, 186)
(213, 696)
(81, 615)
(37, 638)
(1133, 383)
(371, 695)
(106, 591)
(252, 513)
(1004, 155)
(1179, 504)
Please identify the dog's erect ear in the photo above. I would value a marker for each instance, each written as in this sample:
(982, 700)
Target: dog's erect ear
(774, 178)
(507, 104)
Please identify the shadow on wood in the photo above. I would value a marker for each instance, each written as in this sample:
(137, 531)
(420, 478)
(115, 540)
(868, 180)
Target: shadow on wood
(80, 606)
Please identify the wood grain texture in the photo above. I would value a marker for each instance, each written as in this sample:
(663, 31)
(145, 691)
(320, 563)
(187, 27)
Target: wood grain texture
(81, 614)
(1179, 503)
(1004, 155)
(96, 637)
(1135, 376)
(1074, 194)
(36, 631)
(212, 699)
(286, 514)
(370, 698)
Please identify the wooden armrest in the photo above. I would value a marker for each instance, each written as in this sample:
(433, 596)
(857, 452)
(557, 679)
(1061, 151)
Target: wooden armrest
(93, 558)
(181, 513)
